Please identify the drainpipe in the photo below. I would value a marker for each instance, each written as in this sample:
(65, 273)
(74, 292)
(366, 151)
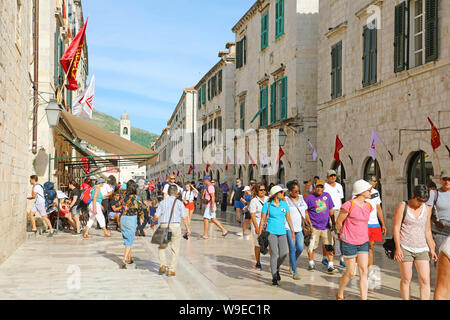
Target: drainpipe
(36, 75)
(193, 135)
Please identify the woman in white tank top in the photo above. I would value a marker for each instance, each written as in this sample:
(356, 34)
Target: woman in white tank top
(414, 242)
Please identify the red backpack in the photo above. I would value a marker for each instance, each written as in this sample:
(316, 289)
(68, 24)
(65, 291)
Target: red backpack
(86, 196)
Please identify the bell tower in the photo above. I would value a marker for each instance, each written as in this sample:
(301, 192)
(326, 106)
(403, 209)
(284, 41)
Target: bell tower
(125, 128)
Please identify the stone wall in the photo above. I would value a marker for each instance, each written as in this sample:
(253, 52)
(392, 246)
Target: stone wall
(397, 101)
(15, 109)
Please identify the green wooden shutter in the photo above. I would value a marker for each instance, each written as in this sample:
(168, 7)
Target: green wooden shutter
(264, 31)
(283, 100)
(56, 51)
(281, 17)
(239, 54)
(373, 55)
(431, 30)
(219, 127)
(204, 93)
(244, 50)
(263, 107)
(273, 102)
(220, 81)
(242, 113)
(366, 56)
(199, 93)
(339, 70)
(399, 37)
(333, 71)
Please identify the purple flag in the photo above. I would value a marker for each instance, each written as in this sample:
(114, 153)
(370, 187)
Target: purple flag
(373, 142)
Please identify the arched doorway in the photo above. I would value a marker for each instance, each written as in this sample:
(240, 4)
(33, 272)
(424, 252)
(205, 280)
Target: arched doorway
(250, 173)
(280, 174)
(340, 175)
(420, 171)
(372, 168)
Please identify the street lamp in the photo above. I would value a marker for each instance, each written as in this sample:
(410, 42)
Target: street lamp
(53, 112)
(282, 137)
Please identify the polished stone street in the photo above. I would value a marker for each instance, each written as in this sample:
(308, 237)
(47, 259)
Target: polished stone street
(70, 267)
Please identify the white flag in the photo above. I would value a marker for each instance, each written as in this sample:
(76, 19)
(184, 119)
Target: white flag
(85, 102)
(373, 142)
(314, 151)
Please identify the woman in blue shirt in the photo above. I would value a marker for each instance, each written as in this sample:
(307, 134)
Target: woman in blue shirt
(277, 211)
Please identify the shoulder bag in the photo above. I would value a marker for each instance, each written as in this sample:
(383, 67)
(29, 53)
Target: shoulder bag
(205, 201)
(164, 235)
(389, 244)
(263, 239)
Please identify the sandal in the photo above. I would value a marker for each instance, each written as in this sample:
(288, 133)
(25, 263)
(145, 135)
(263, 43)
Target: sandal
(123, 266)
(203, 238)
(225, 234)
(131, 261)
(339, 298)
(86, 236)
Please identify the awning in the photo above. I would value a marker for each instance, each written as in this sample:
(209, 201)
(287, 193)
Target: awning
(109, 141)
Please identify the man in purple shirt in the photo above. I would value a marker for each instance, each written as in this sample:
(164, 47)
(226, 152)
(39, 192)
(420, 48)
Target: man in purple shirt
(320, 210)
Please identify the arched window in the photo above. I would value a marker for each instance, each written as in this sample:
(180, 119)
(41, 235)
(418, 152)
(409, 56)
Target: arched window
(420, 171)
(125, 131)
(340, 173)
(373, 169)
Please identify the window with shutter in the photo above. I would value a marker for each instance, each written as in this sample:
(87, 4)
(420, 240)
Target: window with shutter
(244, 50)
(242, 115)
(239, 54)
(273, 102)
(220, 81)
(204, 93)
(283, 100)
(279, 18)
(431, 30)
(215, 131)
(399, 37)
(369, 56)
(336, 70)
(264, 31)
(219, 128)
(199, 98)
(263, 107)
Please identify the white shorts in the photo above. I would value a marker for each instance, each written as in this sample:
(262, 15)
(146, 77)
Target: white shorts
(208, 214)
(37, 207)
(445, 247)
(254, 235)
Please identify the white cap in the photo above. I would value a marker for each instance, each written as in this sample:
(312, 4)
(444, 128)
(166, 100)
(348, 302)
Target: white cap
(246, 188)
(275, 190)
(360, 186)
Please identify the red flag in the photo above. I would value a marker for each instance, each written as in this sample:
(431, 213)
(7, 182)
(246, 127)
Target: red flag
(71, 58)
(280, 154)
(228, 161)
(338, 147)
(190, 169)
(435, 136)
(64, 10)
(178, 173)
(207, 167)
(251, 159)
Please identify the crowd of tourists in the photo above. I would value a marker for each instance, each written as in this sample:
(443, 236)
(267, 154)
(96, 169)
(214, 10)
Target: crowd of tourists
(284, 221)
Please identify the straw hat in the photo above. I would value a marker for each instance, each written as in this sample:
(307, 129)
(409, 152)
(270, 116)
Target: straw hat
(275, 190)
(360, 186)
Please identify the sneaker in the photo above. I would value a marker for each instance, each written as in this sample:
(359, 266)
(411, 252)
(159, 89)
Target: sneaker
(239, 234)
(325, 261)
(296, 276)
(332, 270)
(274, 281)
(50, 234)
(311, 267)
(278, 276)
(162, 270)
(258, 266)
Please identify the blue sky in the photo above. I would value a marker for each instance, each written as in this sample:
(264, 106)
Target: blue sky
(145, 52)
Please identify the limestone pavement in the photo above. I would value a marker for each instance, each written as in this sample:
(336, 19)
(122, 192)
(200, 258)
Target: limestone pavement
(68, 267)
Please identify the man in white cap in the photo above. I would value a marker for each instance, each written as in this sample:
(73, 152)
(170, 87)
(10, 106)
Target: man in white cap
(335, 190)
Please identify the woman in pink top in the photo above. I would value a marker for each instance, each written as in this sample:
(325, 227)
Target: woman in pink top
(351, 225)
(414, 242)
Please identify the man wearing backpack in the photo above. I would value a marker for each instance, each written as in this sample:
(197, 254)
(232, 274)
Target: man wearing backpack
(37, 193)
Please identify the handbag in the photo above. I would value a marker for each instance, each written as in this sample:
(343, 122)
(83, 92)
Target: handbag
(306, 227)
(263, 239)
(164, 235)
(205, 201)
(389, 244)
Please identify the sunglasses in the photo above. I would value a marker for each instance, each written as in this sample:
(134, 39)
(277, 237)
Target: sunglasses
(446, 179)
(262, 189)
(421, 200)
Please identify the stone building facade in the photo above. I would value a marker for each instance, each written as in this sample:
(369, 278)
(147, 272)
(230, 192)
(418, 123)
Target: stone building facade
(16, 49)
(276, 89)
(380, 77)
(159, 169)
(215, 114)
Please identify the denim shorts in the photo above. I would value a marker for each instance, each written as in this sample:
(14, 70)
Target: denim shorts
(351, 250)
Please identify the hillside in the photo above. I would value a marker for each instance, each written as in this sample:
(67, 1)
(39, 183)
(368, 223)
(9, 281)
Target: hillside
(109, 123)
